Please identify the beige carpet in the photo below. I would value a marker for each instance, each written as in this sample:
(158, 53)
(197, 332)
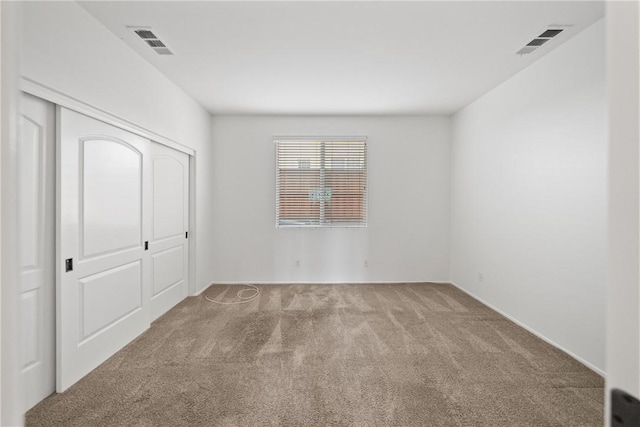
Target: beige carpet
(319, 355)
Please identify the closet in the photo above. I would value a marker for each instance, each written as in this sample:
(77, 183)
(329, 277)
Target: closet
(119, 257)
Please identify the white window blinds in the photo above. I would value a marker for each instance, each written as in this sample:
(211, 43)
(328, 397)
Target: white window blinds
(321, 182)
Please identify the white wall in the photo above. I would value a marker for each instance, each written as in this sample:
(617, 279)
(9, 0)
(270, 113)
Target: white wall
(66, 49)
(623, 320)
(10, 389)
(529, 197)
(407, 238)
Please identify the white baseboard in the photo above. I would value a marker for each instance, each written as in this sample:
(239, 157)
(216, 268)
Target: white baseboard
(269, 283)
(533, 331)
(198, 292)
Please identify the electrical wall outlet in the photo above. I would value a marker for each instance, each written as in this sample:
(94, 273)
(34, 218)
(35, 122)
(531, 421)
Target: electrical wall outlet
(480, 277)
(366, 263)
(297, 263)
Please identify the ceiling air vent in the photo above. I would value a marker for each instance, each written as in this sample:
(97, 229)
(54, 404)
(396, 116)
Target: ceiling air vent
(145, 34)
(546, 35)
(551, 33)
(152, 40)
(537, 42)
(155, 43)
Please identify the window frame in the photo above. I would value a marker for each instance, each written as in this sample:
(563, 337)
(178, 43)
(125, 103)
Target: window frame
(322, 140)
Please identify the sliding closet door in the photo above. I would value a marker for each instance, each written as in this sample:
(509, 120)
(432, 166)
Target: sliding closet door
(168, 245)
(103, 276)
(36, 235)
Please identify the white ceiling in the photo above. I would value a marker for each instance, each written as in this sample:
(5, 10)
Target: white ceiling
(341, 57)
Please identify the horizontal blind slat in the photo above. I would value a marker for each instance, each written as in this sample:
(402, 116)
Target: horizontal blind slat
(321, 182)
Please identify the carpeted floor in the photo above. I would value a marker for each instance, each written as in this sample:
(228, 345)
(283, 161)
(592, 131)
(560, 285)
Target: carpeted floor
(319, 355)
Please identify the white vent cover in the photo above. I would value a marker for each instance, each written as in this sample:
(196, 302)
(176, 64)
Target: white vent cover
(151, 40)
(545, 35)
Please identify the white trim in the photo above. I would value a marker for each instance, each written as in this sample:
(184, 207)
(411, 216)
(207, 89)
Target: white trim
(11, 387)
(533, 331)
(394, 282)
(59, 98)
(201, 290)
(192, 227)
(330, 138)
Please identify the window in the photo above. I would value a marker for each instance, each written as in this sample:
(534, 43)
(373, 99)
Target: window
(321, 182)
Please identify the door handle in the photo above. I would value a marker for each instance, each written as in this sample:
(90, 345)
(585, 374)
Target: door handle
(146, 245)
(68, 265)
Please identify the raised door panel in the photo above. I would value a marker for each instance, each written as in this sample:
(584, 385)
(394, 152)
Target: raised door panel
(31, 352)
(111, 196)
(168, 195)
(31, 183)
(107, 297)
(168, 268)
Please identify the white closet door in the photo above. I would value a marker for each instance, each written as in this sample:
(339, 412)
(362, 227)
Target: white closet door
(103, 271)
(168, 245)
(36, 157)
